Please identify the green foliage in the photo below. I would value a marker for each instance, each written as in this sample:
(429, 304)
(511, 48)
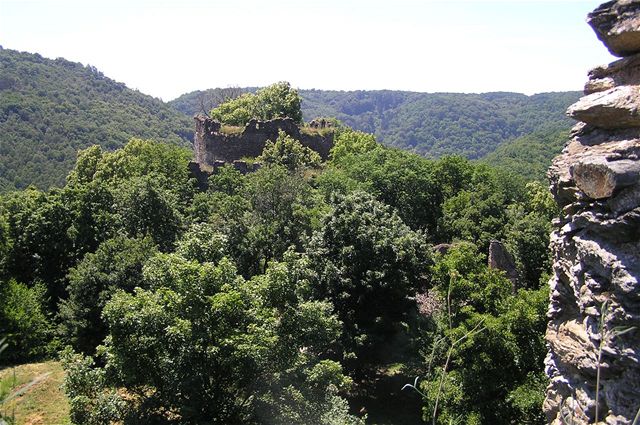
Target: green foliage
(165, 163)
(263, 340)
(227, 180)
(453, 174)
(23, 322)
(451, 198)
(334, 181)
(530, 155)
(369, 264)
(399, 179)
(351, 143)
(289, 153)
(142, 189)
(438, 124)
(17, 208)
(463, 278)
(202, 243)
(237, 112)
(148, 187)
(145, 208)
(91, 403)
(243, 303)
(488, 346)
(116, 265)
(478, 213)
(283, 213)
(41, 248)
(528, 238)
(527, 234)
(5, 242)
(278, 100)
(49, 109)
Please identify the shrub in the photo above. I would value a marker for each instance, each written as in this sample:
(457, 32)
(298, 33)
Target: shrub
(23, 321)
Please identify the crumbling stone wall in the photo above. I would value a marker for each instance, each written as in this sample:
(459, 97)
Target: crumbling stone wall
(594, 310)
(212, 145)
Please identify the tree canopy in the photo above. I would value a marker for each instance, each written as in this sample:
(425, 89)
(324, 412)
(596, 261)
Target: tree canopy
(303, 292)
(278, 100)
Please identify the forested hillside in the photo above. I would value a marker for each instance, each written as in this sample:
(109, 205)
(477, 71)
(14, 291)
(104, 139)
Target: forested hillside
(530, 155)
(430, 124)
(51, 108)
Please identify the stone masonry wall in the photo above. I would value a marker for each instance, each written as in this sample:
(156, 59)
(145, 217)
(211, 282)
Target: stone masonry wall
(212, 146)
(594, 310)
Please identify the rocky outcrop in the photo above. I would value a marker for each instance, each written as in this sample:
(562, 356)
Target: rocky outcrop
(617, 25)
(610, 109)
(594, 312)
(501, 259)
(619, 73)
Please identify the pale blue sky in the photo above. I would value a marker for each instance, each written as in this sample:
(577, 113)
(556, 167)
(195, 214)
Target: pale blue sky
(167, 48)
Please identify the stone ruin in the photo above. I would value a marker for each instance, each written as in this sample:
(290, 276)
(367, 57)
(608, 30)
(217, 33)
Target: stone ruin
(501, 259)
(213, 147)
(594, 312)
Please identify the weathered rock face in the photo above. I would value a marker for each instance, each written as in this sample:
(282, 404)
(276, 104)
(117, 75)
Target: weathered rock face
(613, 108)
(595, 290)
(211, 145)
(617, 25)
(619, 73)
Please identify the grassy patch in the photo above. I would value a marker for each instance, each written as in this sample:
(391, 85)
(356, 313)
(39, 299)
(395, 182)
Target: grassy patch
(309, 131)
(39, 397)
(231, 129)
(250, 160)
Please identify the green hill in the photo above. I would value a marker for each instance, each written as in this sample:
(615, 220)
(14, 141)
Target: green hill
(51, 108)
(430, 124)
(529, 156)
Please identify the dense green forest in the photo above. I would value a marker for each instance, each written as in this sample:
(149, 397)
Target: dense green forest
(51, 108)
(302, 293)
(430, 124)
(529, 156)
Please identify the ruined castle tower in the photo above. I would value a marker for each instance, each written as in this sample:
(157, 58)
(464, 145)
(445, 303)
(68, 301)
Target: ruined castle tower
(594, 330)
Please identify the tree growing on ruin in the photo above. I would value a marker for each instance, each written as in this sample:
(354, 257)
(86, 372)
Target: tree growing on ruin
(290, 153)
(278, 100)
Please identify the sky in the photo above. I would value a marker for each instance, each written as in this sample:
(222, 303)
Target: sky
(168, 48)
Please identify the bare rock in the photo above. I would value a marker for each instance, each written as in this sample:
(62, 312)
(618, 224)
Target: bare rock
(590, 148)
(599, 84)
(501, 259)
(627, 200)
(625, 228)
(595, 287)
(610, 109)
(598, 178)
(617, 25)
(442, 248)
(622, 72)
